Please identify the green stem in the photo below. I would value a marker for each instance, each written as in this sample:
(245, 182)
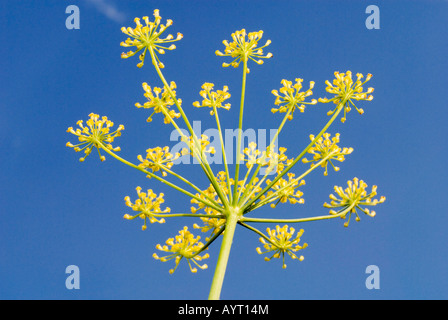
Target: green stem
(194, 215)
(242, 199)
(224, 155)
(248, 187)
(279, 129)
(152, 175)
(175, 215)
(255, 230)
(267, 220)
(240, 128)
(273, 182)
(204, 163)
(164, 168)
(223, 258)
(195, 153)
(275, 193)
(244, 183)
(210, 241)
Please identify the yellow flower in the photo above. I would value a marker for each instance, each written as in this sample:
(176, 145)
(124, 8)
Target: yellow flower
(203, 142)
(274, 161)
(282, 241)
(284, 190)
(356, 196)
(214, 224)
(323, 148)
(184, 245)
(254, 156)
(278, 161)
(148, 37)
(211, 223)
(147, 205)
(159, 101)
(96, 133)
(213, 99)
(243, 49)
(345, 91)
(291, 97)
(156, 158)
(210, 192)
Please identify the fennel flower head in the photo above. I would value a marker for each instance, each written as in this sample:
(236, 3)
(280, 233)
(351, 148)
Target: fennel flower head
(96, 133)
(346, 90)
(244, 47)
(356, 197)
(148, 37)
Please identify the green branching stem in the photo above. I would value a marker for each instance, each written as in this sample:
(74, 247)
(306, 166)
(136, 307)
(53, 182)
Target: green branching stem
(286, 170)
(204, 163)
(240, 128)
(224, 155)
(341, 213)
(210, 241)
(272, 196)
(164, 168)
(152, 175)
(223, 257)
(177, 215)
(248, 188)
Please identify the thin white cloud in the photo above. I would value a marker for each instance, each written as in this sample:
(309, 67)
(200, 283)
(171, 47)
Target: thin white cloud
(109, 10)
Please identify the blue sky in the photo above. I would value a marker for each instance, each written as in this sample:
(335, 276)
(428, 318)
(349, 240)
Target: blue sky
(56, 211)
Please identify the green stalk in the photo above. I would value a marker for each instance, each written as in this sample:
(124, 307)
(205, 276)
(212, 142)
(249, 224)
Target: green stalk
(189, 183)
(210, 241)
(224, 156)
(242, 198)
(255, 230)
(244, 182)
(267, 220)
(198, 155)
(176, 215)
(275, 193)
(223, 258)
(204, 164)
(273, 182)
(152, 175)
(240, 128)
(279, 129)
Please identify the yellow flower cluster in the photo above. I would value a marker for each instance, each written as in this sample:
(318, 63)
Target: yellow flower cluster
(96, 133)
(354, 196)
(291, 98)
(243, 49)
(148, 38)
(345, 91)
(184, 245)
(192, 149)
(278, 161)
(282, 241)
(160, 101)
(147, 205)
(326, 148)
(213, 99)
(211, 223)
(214, 224)
(274, 161)
(254, 156)
(226, 201)
(285, 190)
(158, 158)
